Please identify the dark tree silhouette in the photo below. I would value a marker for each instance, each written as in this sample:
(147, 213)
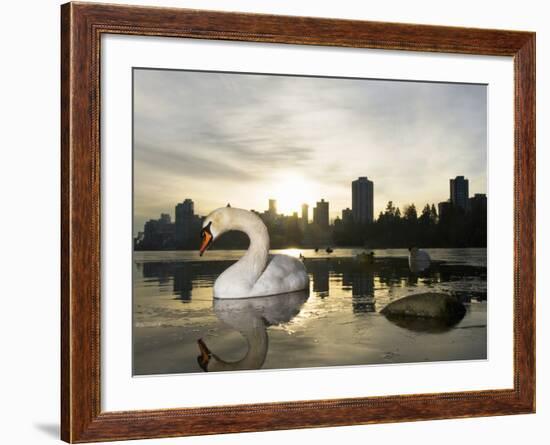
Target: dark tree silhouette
(455, 227)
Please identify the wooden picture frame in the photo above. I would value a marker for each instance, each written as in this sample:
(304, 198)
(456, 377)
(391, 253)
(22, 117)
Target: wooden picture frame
(82, 26)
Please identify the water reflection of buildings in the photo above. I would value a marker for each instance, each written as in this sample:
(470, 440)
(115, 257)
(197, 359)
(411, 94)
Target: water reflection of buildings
(183, 282)
(183, 276)
(158, 271)
(180, 274)
(320, 273)
(362, 290)
(360, 282)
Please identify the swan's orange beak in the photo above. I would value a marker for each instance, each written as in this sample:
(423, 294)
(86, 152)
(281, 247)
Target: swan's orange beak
(204, 358)
(206, 241)
(205, 352)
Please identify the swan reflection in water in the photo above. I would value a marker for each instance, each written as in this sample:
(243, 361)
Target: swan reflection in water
(251, 317)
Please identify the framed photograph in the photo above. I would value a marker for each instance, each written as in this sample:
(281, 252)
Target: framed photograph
(274, 222)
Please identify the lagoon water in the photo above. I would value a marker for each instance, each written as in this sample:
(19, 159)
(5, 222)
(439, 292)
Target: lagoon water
(336, 323)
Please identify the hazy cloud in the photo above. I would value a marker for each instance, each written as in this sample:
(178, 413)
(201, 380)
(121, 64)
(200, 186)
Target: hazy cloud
(219, 137)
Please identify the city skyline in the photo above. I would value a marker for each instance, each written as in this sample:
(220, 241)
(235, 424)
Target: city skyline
(244, 139)
(181, 233)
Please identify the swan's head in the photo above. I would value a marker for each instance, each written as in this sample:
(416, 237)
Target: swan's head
(207, 237)
(213, 226)
(225, 219)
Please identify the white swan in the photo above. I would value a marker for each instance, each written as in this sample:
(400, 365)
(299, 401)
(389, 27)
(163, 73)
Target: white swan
(419, 260)
(257, 273)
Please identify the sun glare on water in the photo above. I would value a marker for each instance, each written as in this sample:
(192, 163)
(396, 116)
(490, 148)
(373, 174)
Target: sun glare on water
(291, 252)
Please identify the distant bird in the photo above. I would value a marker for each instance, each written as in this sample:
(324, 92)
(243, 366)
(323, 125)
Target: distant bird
(419, 260)
(365, 258)
(329, 250)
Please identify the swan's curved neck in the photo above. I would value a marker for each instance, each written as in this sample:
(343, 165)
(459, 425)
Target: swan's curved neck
(255, 259)
(257, 346)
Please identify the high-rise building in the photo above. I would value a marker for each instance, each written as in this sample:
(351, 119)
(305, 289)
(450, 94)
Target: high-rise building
(158, 233)
(187, 207)
(320, 214)
(362, 200)
(305, 216)
(444, 210)
(459, 192)
(165, 218)
(272, 207)
(478, 218)
(347, 216)
(185, 222)
(478, 205)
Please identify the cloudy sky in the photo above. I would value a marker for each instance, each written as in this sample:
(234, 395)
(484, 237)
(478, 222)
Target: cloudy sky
(245, 138)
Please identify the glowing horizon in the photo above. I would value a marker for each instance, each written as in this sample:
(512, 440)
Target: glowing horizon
(219, 138)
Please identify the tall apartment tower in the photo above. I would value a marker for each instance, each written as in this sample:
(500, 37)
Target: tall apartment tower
(320, 214)
(305, 216)
(347, 216)
(362, 200)
(185, 215)
(478, 205)
(459, 192)
(273, 207)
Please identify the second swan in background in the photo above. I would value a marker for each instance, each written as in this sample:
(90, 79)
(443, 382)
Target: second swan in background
(419, 260)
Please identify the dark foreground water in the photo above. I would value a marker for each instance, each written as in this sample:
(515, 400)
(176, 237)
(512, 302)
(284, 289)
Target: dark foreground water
(336, 323)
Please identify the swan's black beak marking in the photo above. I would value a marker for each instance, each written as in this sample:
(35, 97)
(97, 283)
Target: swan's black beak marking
(207, 238)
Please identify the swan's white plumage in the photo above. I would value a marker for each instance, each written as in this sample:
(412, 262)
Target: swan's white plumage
(283, 274)
(419, 260)
(257, 273)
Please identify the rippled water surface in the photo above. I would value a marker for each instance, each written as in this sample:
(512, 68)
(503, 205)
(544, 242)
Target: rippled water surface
(336, 323)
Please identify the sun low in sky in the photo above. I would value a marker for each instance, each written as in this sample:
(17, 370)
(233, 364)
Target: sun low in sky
(291, 190)
(246, 138)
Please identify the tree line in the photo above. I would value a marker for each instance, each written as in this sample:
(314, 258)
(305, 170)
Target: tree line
(396, 229)
(392, 229)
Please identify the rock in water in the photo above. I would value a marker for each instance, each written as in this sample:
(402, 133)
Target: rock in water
(430, 305)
